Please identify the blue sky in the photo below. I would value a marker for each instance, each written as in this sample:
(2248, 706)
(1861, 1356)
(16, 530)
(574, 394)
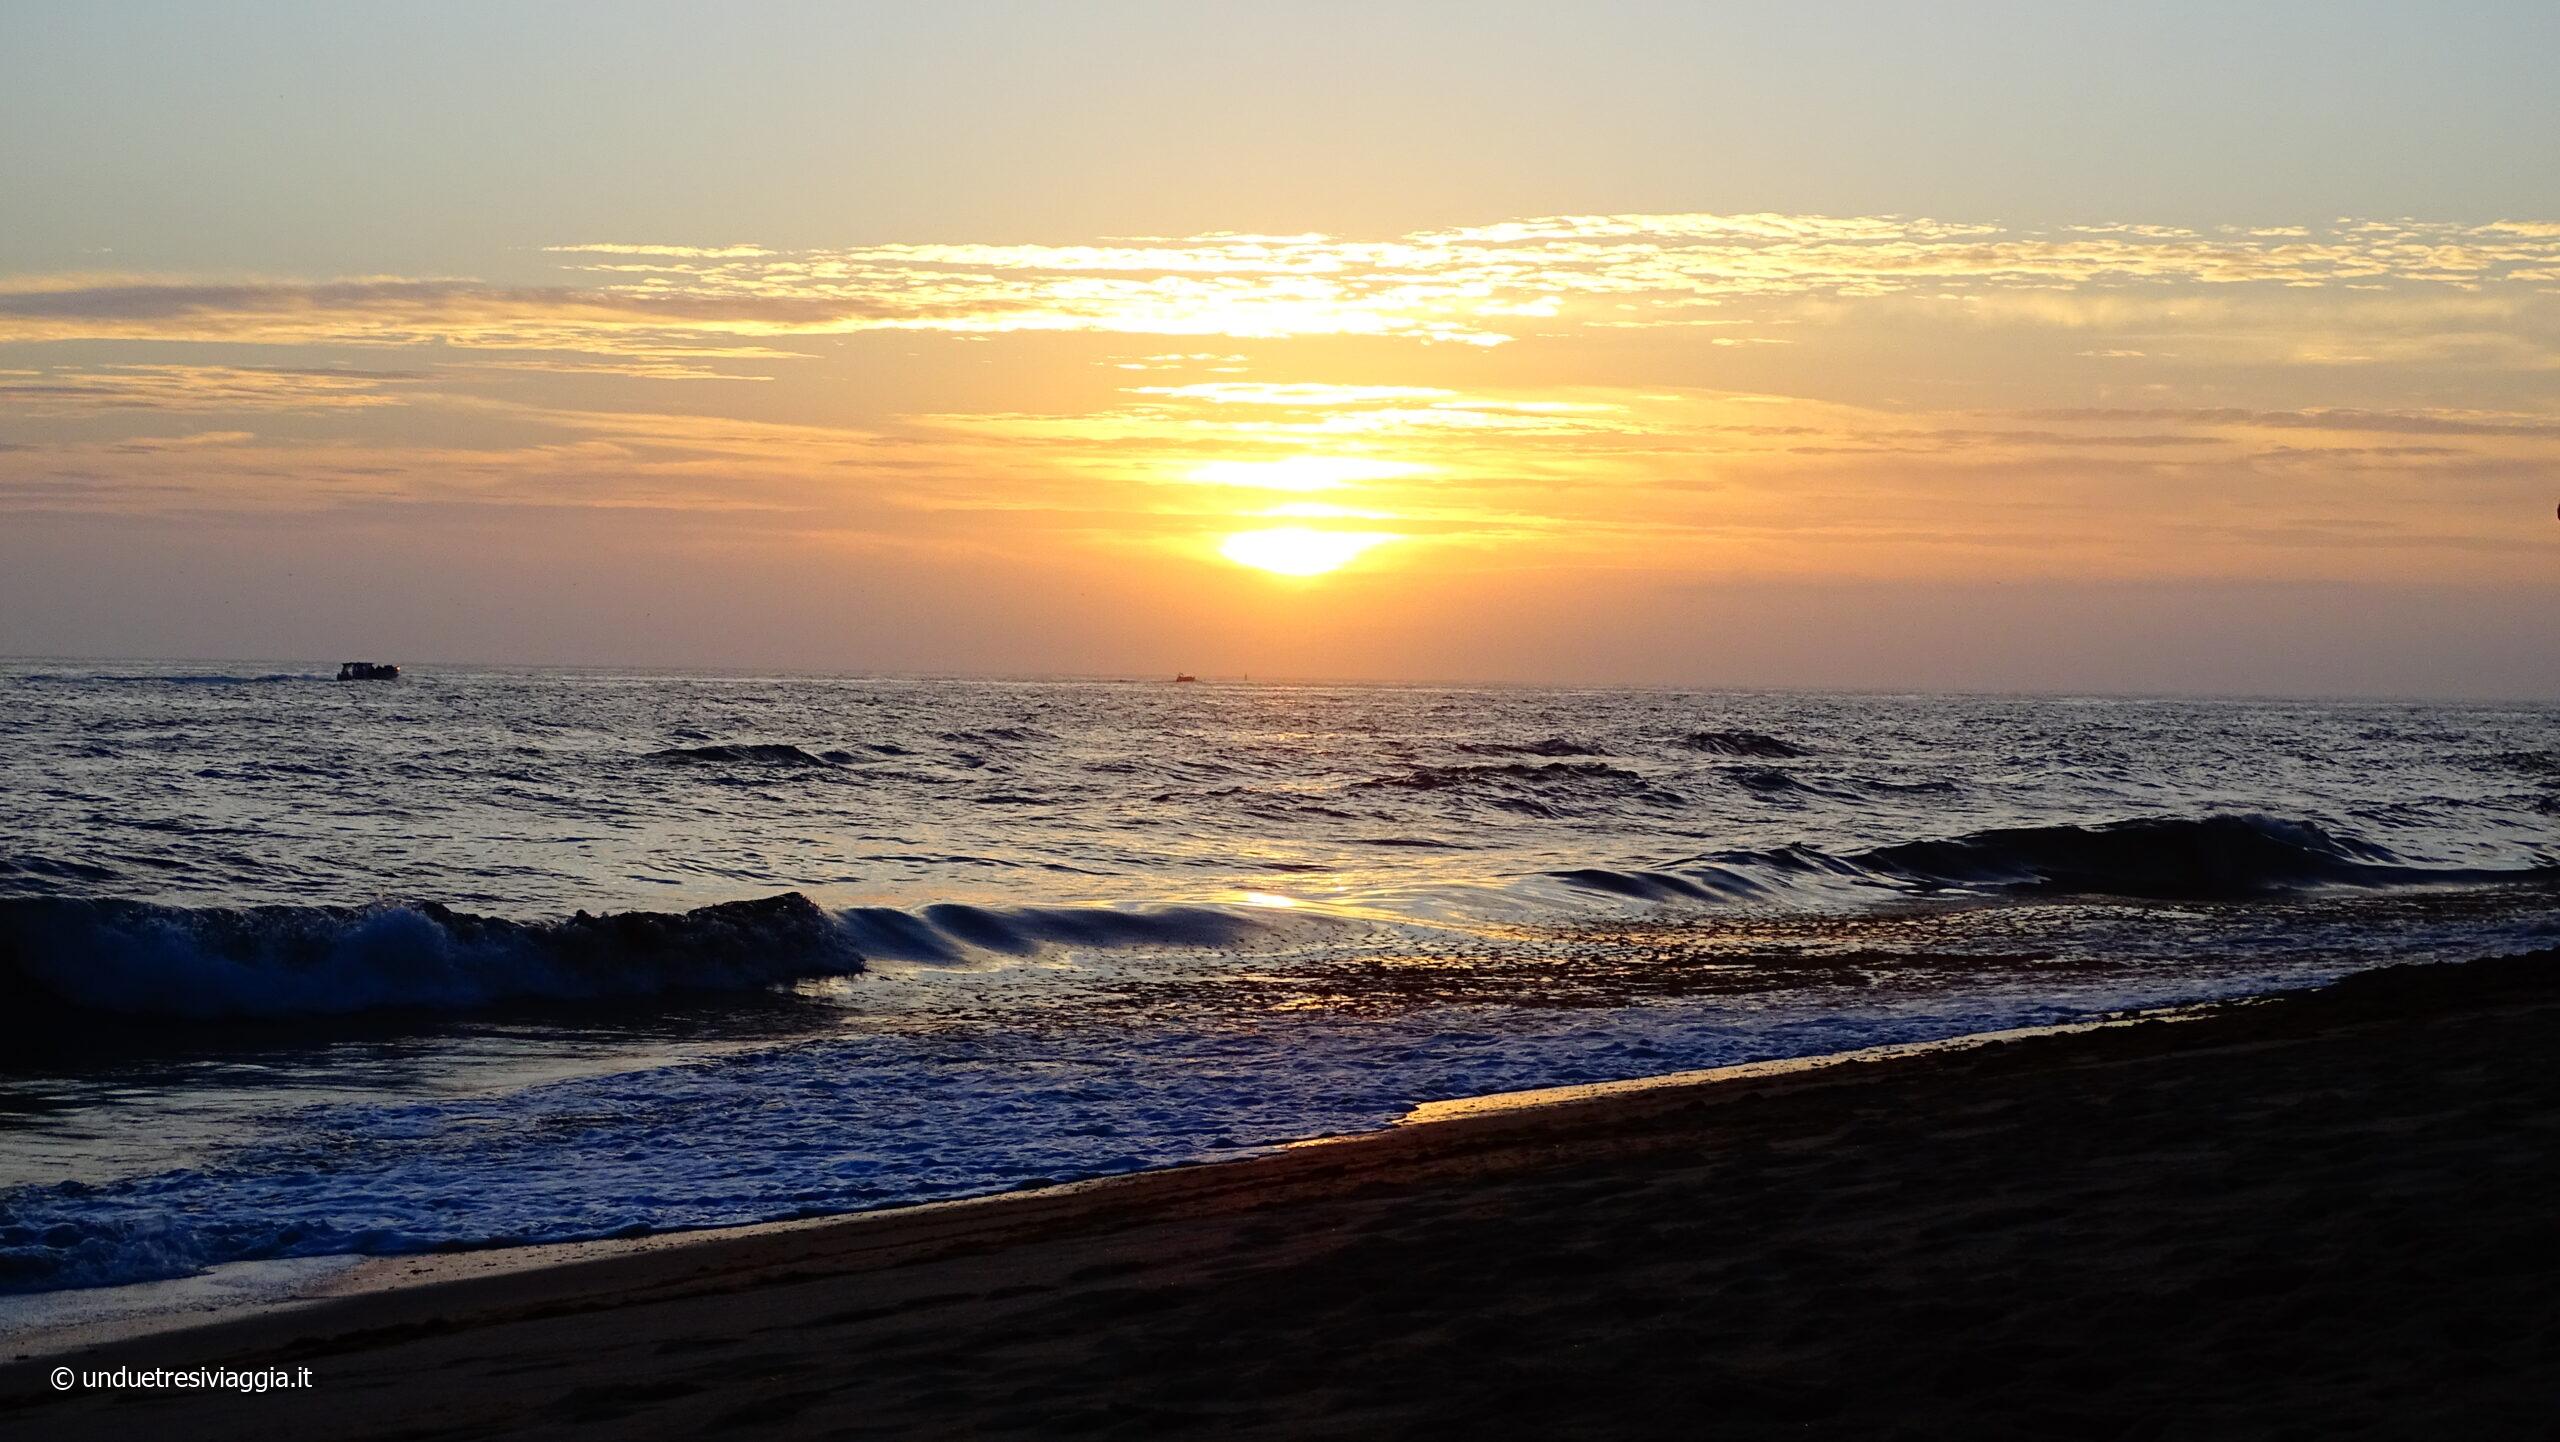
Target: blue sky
(330, 137)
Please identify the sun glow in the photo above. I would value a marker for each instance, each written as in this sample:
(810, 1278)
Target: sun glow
(1302, 473)
(1300, 550)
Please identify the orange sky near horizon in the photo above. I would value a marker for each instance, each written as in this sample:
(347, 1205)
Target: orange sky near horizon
(1721, 395)
(1675, 447)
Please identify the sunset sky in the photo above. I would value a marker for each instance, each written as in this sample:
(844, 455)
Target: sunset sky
(1985, 346)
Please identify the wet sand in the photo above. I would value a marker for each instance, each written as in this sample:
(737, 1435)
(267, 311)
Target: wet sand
(2324, 1215)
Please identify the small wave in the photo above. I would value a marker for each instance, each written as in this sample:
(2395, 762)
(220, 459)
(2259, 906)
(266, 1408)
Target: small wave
(1552, 746)
(1537, 790)
(1908, 788)
(2153, 858)
(1261, 800)
(1753, 744)
(743, 753)
(998, 734)
(950, 931)
(1771, 781)
(54, 868)
(135, 958)
(1438, 778)
(1659, 885)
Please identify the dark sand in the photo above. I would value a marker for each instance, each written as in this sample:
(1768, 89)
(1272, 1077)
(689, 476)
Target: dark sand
(2321, 1216)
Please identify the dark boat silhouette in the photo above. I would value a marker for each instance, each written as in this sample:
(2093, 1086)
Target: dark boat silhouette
(1180, 677)
(368, 671)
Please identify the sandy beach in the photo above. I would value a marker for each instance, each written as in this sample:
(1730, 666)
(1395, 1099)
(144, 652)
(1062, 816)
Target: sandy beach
(2324, 1214)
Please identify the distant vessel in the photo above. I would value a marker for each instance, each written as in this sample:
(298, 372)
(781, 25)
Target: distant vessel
(367, 671)
(1184, 676)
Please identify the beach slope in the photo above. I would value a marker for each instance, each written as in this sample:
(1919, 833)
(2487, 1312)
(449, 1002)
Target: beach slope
(2321, 1215)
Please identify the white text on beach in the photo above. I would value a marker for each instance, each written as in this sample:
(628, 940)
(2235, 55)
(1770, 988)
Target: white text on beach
(155, 1379)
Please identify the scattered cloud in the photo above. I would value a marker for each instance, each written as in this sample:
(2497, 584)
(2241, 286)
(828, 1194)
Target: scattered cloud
(180, 387)
(1479, 285)
(669, 252)
(1742, 394)
(2417, 423)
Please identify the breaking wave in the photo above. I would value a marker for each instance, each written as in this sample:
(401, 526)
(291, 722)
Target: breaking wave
(65, 956)
(2152, 858)
(136, 958)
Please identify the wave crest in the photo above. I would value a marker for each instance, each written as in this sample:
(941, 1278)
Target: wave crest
(212, 963)
(2165, 857)
(2153, 858)
(1552, 746)
(1755, 744)
(1549, 789)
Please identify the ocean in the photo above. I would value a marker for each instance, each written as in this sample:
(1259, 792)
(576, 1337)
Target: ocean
(292, 968)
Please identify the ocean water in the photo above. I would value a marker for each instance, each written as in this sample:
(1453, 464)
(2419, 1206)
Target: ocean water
(294, 968)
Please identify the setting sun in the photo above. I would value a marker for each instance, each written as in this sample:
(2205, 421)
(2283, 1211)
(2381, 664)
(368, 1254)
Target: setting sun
(1299, 550)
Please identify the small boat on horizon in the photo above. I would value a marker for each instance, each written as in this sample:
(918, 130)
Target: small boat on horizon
(368, 671)
(1181, 676)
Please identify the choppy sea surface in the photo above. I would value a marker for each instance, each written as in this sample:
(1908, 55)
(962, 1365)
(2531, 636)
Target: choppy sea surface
(294, 968)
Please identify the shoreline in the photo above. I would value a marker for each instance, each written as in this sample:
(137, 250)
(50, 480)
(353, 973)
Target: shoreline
(1852, 1113)
(106, 1317)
